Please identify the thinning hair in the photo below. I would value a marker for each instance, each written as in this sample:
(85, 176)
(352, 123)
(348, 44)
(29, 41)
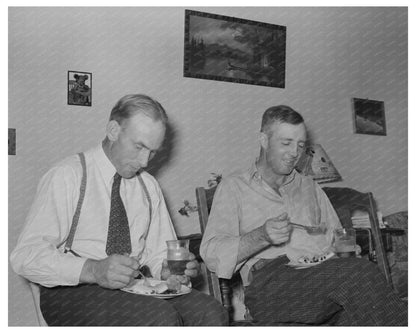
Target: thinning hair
(130, 105)
(280, 114)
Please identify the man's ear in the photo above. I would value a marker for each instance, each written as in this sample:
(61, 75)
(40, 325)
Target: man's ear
(113, 130)
(264, 140)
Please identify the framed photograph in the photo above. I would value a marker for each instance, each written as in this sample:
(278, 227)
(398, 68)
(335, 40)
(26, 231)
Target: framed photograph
(231, 49)
(369, 116)
(12, 141)
(79, 88)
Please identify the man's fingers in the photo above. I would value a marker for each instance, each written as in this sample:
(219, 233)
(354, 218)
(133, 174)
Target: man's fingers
(192, 265)
(278, 224)
(283, 216)
(165, 263)
(125, 260)
(125, 270)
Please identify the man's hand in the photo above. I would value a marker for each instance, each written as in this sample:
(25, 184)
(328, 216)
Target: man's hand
(192, 270)
(113, 272)
(192, 267)
(276, 230)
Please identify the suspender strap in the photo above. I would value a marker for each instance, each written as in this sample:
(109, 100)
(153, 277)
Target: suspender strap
(75, 218)
(146, 192)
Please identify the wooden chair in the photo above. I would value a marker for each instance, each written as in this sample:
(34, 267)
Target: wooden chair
(218, 288)
(34, 288)
(221, 289)
(345, 201)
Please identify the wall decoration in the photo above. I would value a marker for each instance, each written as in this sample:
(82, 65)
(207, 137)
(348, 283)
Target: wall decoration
(369, 117)
(187, 209)
(214, 180)
(12, 141)
(79, 88)
(316, 163)
(231, 49)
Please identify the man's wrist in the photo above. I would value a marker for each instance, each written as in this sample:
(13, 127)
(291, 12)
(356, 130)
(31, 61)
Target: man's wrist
(87, 272)
(264, 236)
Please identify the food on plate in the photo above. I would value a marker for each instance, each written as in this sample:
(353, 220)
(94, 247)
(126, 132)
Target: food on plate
(173, 283)
(315, 259)
(152, 286)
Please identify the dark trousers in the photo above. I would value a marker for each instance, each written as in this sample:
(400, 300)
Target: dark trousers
(342, 292)
(91, 305)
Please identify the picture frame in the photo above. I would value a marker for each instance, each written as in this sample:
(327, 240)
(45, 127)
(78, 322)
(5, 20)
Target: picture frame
(230, 49)
(79, 88)
(369, 117)
(12, 141)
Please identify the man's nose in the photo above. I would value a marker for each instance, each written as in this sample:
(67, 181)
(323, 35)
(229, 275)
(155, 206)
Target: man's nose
(144, 158)
(294, 151)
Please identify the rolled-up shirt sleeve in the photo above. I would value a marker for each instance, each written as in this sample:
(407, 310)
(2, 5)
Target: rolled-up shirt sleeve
(328, 213)
(221, 239)
(36, 256)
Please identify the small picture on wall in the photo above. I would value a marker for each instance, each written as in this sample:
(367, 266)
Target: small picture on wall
(12, 141)
(225, 48)
(369, 117)
(79, 88)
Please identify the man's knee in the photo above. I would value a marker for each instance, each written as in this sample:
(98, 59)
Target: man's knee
(216, 315)
(165, 316)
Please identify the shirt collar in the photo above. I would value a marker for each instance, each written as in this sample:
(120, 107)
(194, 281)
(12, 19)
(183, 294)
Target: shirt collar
(105, 166)
(255, 174)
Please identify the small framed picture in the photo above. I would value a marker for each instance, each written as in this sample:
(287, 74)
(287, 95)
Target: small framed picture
(369, 117)
(79, 88)
(12, 141)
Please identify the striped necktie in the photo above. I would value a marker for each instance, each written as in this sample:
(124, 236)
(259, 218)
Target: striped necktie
(118, 238)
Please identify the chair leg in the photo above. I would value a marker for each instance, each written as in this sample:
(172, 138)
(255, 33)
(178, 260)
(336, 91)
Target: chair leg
(226, 296)
(381, 255)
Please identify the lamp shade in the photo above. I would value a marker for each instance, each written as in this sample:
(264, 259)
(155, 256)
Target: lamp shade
(315, 162)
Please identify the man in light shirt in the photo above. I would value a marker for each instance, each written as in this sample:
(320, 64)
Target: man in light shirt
(249, 232)
(80, 277)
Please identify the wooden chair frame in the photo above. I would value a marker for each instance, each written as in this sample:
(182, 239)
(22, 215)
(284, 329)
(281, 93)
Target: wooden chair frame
(219, 288)
(350, 200)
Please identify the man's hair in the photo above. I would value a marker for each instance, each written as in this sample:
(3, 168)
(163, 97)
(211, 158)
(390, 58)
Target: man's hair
(130, 105)
(280, 114)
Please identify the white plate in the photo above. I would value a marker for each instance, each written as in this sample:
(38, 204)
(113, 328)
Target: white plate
(140, 289)
(299, 265)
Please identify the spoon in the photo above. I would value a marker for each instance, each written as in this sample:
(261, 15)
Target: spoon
(311, 230)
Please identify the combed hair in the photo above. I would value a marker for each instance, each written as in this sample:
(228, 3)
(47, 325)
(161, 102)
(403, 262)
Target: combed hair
(133, 104)
(281, 114)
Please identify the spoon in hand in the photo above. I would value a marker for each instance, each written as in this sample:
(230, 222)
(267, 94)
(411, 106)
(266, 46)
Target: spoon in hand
(311, 230)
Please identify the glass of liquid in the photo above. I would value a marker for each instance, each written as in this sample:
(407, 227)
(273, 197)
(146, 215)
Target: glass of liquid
(344, 242)
(178, 256)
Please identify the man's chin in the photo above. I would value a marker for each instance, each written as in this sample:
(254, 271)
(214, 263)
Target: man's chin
(287, 171)
(129, 175)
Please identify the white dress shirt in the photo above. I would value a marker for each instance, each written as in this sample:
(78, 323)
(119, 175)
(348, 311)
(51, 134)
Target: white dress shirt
(49, 221)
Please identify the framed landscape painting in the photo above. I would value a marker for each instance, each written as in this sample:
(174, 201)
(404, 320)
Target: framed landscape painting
(231, 49)
(369, 116)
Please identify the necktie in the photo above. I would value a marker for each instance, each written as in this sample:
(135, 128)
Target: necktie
(118, 238)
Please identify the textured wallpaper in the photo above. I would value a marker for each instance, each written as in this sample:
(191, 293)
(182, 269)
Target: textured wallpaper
(332, 55)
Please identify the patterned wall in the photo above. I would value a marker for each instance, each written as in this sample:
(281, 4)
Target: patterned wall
(333, 54)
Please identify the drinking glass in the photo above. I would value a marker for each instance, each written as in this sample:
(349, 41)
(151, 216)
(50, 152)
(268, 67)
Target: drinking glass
(344, 242)
(178, 255)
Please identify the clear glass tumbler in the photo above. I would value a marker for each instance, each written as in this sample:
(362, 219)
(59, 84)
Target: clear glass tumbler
(344, 242)
(178, 256)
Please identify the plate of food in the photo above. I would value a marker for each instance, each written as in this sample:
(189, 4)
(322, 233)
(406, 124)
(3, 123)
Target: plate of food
(309, 261)
(157, 288)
